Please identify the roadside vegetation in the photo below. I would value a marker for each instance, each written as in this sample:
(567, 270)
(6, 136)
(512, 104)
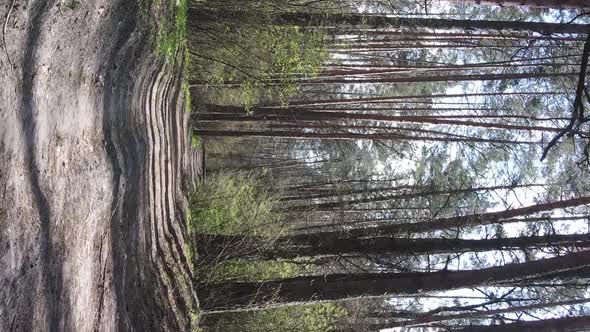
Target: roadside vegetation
(248, 58)
(236, 205)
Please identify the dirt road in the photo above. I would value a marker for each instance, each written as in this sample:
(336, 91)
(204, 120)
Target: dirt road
(94, 170)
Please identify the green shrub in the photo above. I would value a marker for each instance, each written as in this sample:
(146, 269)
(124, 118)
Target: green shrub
(265, 61)
(319, 317)
(233, 203)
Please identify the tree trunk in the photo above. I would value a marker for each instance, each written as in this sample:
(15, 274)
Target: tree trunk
(323, 206)
(447, 223)
(304, 115)
(431, 78)
(350, 136)
(341, 286)
(430, 97)
(565, 324)
(483, 313)
(304, 19)
(530, 3)
(231, 247)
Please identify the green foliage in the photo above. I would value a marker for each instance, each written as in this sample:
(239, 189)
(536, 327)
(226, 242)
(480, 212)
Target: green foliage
(188, 103)
(172, 34)
(232, 203)
(195, 317)
(320, 317)
(71, 4)
(195, 141)
(236, 270)
(264, 61)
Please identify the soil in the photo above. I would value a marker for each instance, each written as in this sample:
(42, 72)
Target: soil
(95, 166)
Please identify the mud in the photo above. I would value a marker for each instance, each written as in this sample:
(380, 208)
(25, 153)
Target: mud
(95, 165)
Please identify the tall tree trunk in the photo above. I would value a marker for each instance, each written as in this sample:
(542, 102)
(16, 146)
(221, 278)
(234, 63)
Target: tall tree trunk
(304, 115)
(341, 286)
(351, 136)
(304, 19)
(384, 197)
(214, 247)
(416, 79)
(431, 78)
(387, 99)
(530, 3)
(447, 223)
(565, 324)
(342, 192)
(483, 313)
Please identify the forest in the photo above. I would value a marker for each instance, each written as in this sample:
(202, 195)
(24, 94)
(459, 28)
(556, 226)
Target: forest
(391, 165)
(295, 165)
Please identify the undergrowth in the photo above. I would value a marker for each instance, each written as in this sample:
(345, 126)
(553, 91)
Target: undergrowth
(251, 59)
(236, 203)
(245, 65)
(320, 317)
(172, 33)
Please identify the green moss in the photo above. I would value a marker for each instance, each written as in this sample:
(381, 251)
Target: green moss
(188, 102)
(195, 141)
(172, 34)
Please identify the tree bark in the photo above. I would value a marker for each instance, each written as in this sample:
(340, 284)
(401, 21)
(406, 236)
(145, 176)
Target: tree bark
(385, 99)
(431, 78)
(483, 313)
(448, 223)
(530, 3)
(564, 324)
(304, 19)
(350, 136)
(384, 197)
(238, 247)
(304, 115)
(341, 286)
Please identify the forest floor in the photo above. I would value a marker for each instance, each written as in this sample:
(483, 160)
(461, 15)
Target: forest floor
(95, 166)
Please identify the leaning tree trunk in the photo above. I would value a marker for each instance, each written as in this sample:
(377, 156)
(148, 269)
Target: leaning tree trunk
(482, 313)
(341, 286)
(446, 223)
(530, 3)
(224, 247)
(198, 16)
(565, 324)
